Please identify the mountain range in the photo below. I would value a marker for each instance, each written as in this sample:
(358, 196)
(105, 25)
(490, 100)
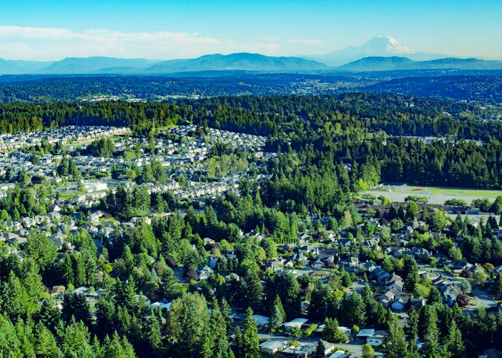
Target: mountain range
(217, 62)
(21, 67)
(396, 63)
(381, 46)
(75, 65)
(378, 54)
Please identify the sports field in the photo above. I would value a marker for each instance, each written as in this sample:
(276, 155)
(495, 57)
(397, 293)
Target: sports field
(434, 195)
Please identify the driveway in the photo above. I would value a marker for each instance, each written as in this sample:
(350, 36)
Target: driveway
(356, 350)
(484, 299)
(358, 286)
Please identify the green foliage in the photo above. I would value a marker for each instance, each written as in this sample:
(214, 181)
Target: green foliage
(41, 249)
(332, 333)
(368, 351)
(102, 147)
(188, 320)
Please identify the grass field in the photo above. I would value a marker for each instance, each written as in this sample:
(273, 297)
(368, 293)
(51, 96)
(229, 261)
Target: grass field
(435, 195)
(163, 128)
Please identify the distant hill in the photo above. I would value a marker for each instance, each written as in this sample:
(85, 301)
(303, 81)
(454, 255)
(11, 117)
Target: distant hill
(121, 66)
(377, 64)
(238, 62)
(382, 46)
(91, 65)
(402, 63)
(9, 67)
(233, 63)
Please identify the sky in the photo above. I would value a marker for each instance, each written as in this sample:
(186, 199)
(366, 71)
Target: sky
(50, 30)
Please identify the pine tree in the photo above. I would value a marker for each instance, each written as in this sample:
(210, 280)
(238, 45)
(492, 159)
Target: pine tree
(128, 298)
(454, 342)
(118, 348)
(49, 314)
(332, 333)
(320, 350)
(250, 340)
(74, 340)
(10, 345)
(187, 324)
(25, 335)
(45, 344)
(346, 280)
(278, 303)
(106, 316)
(434, 296)
(32, 282)
(80, 271)
(67, 270)
(353, 309)
(276, 319)
(411, 332)
(41, 249)
(397, 347)
(153, 334)
(431, 333)
(226, 312)
(170, 286)
(218, 332)
(253, 289)
(238, 344)
(75, 307)
(14, 298)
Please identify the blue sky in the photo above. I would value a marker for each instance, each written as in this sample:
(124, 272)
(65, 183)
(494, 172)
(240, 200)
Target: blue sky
(54, 29)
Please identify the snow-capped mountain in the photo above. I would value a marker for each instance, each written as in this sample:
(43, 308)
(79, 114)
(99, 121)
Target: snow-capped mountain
(385, 45)
(382, 46)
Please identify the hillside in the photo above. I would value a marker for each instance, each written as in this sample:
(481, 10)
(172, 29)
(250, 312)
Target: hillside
(9, 67)
(89, 65)
(238, 61)
(404, 63)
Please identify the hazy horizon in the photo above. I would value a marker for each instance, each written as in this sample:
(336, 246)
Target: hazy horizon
(173, 29)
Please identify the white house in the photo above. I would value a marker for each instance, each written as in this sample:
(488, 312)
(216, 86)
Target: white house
(297, 322)
(273, 346)
(365, 333)
(377, 339)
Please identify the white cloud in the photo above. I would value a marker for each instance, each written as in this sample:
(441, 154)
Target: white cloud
(306, 42)
(54, 44)
(271, 39)
(38, 33)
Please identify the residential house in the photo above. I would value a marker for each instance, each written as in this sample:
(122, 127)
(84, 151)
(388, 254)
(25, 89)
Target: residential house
(204, 272)
(380, 275)
(296, 323)
(273, 346)
(261, 321)
(400, 304)
(377, 339)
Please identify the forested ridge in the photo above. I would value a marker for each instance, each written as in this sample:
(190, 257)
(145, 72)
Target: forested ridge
(350, 128)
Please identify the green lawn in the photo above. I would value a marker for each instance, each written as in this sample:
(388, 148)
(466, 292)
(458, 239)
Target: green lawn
(67, 195)
(129, 154)
(163, 128)
(435, 195)
(454, 191)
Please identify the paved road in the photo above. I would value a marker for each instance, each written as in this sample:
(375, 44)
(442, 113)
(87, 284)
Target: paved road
(355, 350)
